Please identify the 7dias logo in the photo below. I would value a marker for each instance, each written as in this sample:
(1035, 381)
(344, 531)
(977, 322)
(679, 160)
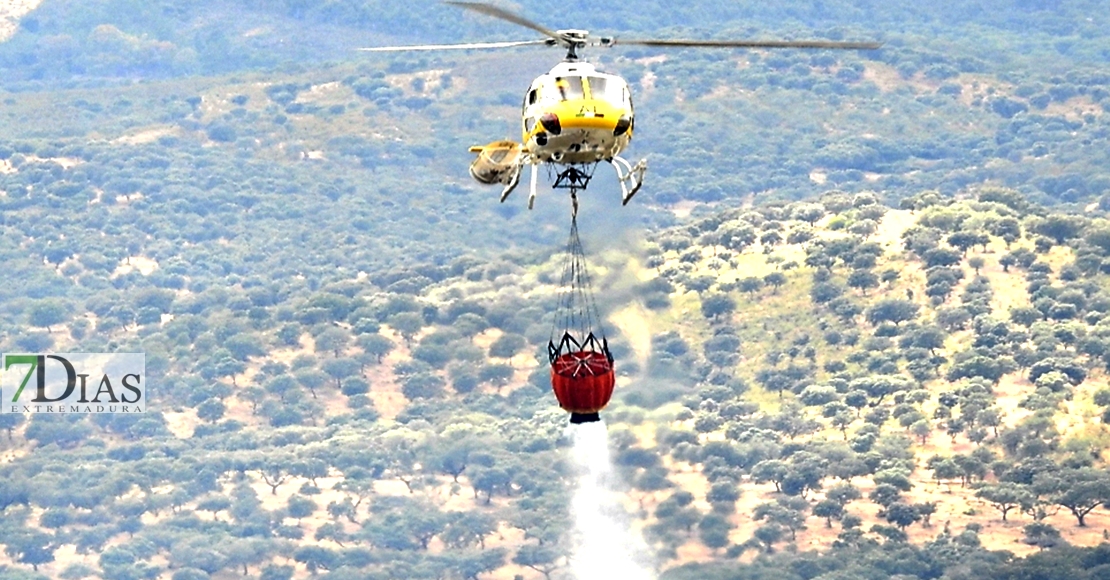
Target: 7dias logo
(73, 383)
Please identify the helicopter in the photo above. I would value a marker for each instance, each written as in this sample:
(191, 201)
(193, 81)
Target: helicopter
(574, 117)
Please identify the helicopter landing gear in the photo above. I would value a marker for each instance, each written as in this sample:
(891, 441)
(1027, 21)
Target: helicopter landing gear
(532, 189)
(512, 178)
(576, 178)
(631, 178)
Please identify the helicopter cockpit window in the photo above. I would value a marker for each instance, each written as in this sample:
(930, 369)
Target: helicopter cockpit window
(569, 88)
(609, 90)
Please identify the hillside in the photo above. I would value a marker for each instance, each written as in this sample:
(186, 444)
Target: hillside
(953, 357)
(791, 381)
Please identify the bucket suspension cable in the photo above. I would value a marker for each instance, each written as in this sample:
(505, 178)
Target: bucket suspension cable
(582, 374)
(577, 324)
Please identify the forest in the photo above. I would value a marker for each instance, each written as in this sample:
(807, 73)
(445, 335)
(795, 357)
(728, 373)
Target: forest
(860, 310)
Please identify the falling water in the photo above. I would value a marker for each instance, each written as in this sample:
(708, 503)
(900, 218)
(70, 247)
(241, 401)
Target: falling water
(606, 547)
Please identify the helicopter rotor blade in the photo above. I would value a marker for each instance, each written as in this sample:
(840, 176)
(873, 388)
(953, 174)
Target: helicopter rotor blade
(460, 46)
(496, 12)
(752, 44)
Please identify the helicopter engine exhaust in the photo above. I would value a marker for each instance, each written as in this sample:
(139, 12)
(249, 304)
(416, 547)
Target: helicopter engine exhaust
(497, 162)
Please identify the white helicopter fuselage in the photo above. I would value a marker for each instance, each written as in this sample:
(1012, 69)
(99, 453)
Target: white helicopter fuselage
(575, 115)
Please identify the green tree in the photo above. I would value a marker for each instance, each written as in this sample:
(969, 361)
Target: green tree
(770, 470)
(964, 240)
(300, 507)
(277, 572)
(885, 494)
(333, 340)
(375, 345)
(863, 280)
(1079, 490)
(723, 492)
(316, 558)
(244, 345)
(468, 529)
(1059, 227)
(243, 552)
(46, 313)
(407, 324)
(750, 285)
(313, 378)
(507, 346)
(498, 375)
(716, 305)
(214, 504)
(543, 559)
(34, 548)
(769, 534)
(1006, 496)
(211, 410)
(355, 386)
(775, 280)
(901, 515)
(894, 310)
(274, 471)
(976, 263)
(340, 368)
(1042, 535)
(422, 386)
(829, 510)
(786, 512)
(808, 212)
(713, 531)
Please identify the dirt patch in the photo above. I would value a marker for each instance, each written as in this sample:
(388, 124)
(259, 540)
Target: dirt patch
(1008, 290)
(182, 424)
(145, 136)
(1074, 109)
(428, 81)
(893, 223)
(884, 76)
(385, 391)
(144, 265)
(487, 337)
(683, 208)
(1010, 391)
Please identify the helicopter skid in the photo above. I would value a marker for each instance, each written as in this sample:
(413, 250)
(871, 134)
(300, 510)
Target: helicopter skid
(532, 188)
(631, 178)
